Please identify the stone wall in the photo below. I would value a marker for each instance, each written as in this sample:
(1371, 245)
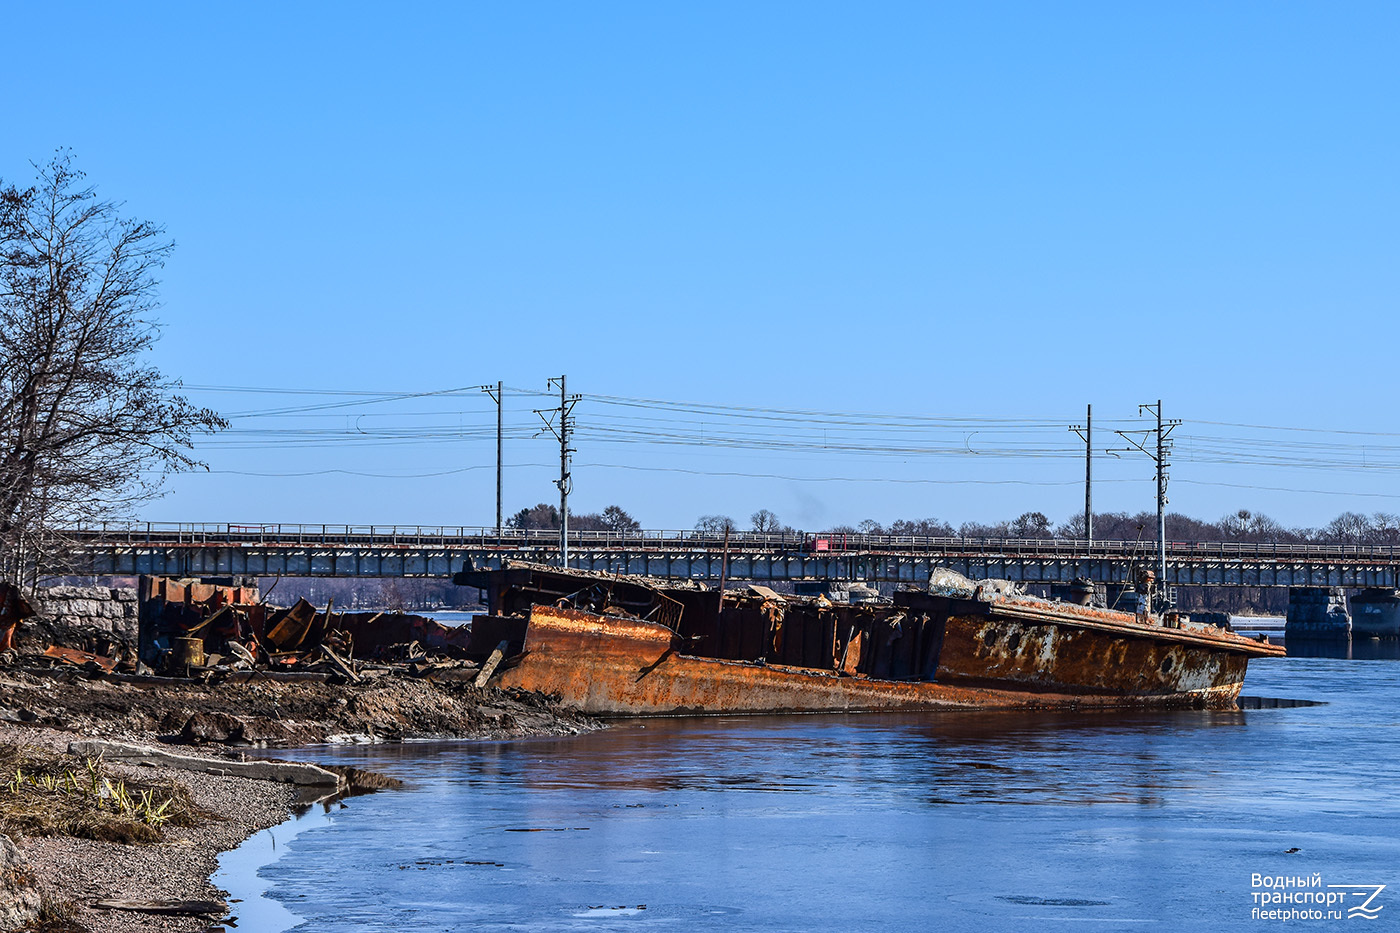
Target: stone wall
(84, 611)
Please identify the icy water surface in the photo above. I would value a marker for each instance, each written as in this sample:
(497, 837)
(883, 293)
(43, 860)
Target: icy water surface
(983, 821)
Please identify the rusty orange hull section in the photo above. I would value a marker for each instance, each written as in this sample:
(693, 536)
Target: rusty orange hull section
(614, 666)
(1118, 659)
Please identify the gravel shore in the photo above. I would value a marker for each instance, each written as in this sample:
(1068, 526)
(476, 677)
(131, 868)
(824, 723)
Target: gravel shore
(54, 711)
(77, 872)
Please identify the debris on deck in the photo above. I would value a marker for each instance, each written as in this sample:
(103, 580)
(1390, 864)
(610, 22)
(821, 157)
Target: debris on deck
(618, 645)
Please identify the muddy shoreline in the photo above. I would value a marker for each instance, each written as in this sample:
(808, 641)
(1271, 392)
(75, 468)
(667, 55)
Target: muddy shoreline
(233, 720)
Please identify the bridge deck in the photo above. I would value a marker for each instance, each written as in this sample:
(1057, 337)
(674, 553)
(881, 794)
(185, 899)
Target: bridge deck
(437, 551)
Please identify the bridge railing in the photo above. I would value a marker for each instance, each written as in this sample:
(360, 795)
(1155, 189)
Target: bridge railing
(284, 534)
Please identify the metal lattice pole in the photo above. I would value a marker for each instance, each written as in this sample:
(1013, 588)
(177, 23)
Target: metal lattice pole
(565, 481)
(1161, 503)
(1160, 455)
(563, 475)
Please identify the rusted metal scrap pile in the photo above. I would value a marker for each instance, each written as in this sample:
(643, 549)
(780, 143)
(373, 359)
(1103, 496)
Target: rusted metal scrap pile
(203, 628)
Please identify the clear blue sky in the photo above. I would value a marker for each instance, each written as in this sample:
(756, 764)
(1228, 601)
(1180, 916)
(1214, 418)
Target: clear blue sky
(989, 211)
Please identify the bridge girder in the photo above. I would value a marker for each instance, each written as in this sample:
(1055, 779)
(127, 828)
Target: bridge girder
(326, 559)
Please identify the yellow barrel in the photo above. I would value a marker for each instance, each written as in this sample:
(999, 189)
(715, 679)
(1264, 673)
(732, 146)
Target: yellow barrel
(189, 651)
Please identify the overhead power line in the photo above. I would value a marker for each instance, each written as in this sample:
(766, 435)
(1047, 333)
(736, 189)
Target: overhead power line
(420, 420)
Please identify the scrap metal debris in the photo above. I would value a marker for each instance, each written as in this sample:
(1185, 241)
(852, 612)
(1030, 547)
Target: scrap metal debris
(212, 629)
(235, 631)
(80, 658)
(14, 609)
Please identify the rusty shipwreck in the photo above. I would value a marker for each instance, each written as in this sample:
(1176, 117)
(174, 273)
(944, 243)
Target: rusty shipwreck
(633, 646)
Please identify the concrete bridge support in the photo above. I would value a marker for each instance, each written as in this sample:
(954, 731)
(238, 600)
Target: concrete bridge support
(1317, 612)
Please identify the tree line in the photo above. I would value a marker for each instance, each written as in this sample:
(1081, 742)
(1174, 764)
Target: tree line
(545, 516)
(1242, 525)
(353, 594)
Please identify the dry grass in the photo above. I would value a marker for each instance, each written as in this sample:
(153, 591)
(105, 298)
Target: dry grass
(56, 917)
(46, 793)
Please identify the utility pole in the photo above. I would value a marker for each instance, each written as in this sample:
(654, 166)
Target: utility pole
(565, 481)
(1161, 457)
(498, 396)
(1161, 502)
(1086, 434)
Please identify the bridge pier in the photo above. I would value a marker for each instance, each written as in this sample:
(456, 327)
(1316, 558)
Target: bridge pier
(1317, 612)
(1375, 613)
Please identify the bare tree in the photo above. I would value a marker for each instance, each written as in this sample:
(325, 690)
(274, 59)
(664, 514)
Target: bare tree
(1385, 527)
(1072, 527)
(765, 522)
(1031, 525)
(87, 427)
(979, 530)
(1236, 525)
(1350, 528)
(714, 524)
(924, 527)
(1265, 529)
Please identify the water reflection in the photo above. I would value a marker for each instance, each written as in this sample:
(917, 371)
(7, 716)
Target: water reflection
(1348, 649)
(965, 757)
(990, 821)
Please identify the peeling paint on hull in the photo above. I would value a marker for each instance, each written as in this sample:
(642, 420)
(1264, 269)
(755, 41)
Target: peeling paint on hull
(1000, 657)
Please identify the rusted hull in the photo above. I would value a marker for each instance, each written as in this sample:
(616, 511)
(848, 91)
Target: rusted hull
(613, 666)
(1023, 654)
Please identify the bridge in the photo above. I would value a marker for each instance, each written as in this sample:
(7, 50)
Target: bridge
(420, 551)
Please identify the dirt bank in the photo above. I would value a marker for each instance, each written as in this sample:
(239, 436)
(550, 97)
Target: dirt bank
(268, 712)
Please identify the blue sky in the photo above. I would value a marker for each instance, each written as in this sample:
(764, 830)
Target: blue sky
(994, 212)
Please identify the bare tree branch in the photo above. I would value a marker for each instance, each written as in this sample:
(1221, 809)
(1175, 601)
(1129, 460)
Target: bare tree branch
(87, 429)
